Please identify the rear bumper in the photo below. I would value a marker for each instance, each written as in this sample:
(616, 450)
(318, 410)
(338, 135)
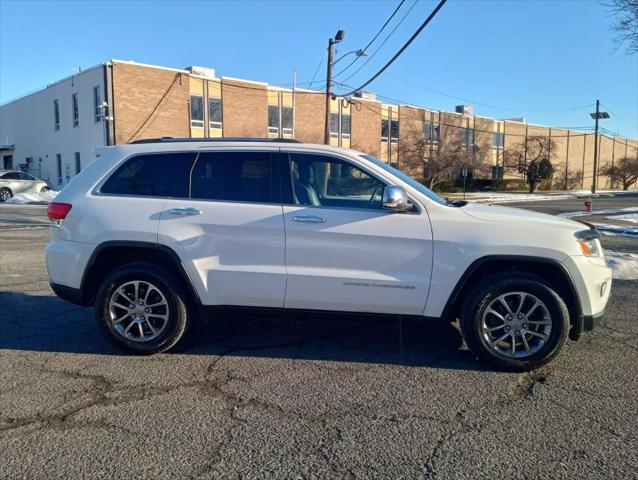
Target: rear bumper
(70, 294)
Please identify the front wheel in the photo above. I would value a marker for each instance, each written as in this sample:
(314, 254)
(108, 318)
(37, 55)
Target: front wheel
(5, 194)
(141, 309)
(516, 321)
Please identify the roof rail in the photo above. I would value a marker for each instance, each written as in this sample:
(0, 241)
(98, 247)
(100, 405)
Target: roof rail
(209, 139)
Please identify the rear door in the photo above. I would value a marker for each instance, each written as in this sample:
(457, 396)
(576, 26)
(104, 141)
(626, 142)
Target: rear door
(343, 252)
(127, 206)
(229, 232)
(29, 182)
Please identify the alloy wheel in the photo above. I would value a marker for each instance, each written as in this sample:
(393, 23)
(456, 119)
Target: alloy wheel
(516, 325)
(138, 311)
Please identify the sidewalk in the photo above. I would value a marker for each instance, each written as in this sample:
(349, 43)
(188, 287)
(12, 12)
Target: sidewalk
(520, 196)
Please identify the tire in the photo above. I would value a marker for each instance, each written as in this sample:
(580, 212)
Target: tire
(5, 194)
(549, 321)
(44, 189)
(159, 333)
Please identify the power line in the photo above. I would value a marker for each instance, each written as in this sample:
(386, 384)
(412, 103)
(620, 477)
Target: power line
(615, 115)
(402, 49)
(487, 105)
(382, 43)
(376, 36)
(450, 125)
(316, 70)
(395, 100)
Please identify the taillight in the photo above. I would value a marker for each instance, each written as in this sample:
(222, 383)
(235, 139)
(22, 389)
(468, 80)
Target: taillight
(58, 211)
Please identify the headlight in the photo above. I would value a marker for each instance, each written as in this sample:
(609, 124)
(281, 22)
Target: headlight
(589, 243)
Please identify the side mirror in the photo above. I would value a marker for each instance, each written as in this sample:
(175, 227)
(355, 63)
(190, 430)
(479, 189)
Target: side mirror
(395, 198)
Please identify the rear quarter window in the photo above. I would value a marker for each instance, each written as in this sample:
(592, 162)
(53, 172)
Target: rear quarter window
(153, 175)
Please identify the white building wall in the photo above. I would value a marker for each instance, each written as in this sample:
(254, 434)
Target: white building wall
(28, 123)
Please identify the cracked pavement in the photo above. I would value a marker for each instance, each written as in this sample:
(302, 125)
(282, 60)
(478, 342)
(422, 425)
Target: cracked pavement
(261, 397)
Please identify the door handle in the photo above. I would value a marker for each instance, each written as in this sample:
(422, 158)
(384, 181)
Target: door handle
(308, 219)
(184, 211)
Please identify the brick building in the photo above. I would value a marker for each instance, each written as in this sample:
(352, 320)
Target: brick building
(52, 132)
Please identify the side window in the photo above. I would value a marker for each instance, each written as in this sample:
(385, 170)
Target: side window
(11, 176)
(330, 182)
(25, 176)
(234, 176)
(155, 175)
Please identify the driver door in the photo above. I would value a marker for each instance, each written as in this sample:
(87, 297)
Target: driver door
(343, 252)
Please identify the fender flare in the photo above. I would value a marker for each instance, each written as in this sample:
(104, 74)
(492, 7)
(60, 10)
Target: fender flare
(176, 262)
(577, 321)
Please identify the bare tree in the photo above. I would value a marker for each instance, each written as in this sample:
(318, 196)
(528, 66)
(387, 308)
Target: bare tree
(436, 163)
(624, 171)
(530, 158)
(625, 24)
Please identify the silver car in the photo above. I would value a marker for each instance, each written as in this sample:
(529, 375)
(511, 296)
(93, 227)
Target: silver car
(15, 181)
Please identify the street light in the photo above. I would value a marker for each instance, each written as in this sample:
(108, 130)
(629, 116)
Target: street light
(597, 115)
(359, 52)
(331, 42)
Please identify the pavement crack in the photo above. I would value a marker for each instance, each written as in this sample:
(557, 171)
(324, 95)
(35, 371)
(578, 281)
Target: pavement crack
(524, 389)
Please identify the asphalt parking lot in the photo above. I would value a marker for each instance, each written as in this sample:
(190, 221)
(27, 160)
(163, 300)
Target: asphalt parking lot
(301, 398)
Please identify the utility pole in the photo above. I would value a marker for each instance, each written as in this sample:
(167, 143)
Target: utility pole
(331, 42)
(294, 91)
(596, 116)
(593, 183)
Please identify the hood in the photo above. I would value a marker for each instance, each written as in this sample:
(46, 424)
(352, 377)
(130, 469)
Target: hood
(499, 214)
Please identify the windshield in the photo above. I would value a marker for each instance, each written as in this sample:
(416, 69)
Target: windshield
(410, 181)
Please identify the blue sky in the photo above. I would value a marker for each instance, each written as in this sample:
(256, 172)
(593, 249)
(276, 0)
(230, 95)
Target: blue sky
(518, 58)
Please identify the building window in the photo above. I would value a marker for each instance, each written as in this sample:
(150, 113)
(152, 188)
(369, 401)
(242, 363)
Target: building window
(498, 140)
(76, 110)
(215, 112)
(273, 119)
(394, 131)
(56, 114)
(286, 120)
(467, 137)
(78, 163)
(385, 129)
(58, 161)
(346, 126)
(334, 125)
(432, 133)
(97, 104)
(197, 111)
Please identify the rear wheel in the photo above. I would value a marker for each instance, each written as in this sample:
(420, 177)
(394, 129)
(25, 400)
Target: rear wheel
(515, 321)
(5, 194)
(44, 189)
(140, 309)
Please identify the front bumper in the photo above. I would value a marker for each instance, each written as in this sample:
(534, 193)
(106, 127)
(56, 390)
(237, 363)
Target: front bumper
(592, 279)
(585, 323)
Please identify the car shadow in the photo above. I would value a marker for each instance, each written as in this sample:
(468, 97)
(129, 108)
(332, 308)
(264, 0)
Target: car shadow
(49, 324)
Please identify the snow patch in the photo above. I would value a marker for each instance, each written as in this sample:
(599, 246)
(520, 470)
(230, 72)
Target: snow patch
(628, 217)
(32, 198)
(608, 229)
(498, 197)
(624, 265)
(582, 213)
(510, 197)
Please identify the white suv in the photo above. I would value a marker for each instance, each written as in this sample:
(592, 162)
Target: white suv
(155, 232)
